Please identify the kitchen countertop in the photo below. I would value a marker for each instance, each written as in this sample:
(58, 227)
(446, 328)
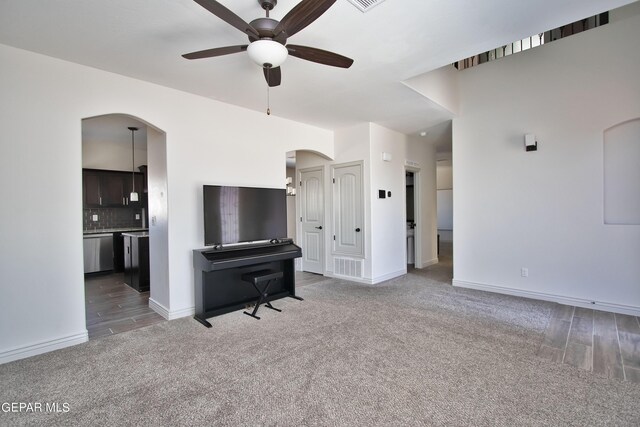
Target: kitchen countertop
(115, 230)
(136, 234)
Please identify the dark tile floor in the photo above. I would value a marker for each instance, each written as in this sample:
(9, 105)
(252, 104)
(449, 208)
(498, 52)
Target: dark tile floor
(113, 307)
(607, 344)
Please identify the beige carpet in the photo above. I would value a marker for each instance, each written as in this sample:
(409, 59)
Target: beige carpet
(412, 351)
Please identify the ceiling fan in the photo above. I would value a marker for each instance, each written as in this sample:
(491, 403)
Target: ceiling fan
(267, 37)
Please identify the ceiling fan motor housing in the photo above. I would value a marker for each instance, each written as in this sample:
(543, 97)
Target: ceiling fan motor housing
(265, 28)
(268, 4)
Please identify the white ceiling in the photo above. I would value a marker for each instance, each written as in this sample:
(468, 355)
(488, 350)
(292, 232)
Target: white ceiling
(394, 41)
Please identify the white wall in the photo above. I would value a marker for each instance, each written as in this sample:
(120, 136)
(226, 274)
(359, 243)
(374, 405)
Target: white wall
(43, 103)
(102, 155)
(444, 182)
(622, 173)
(624, 12)
(388, 216)
(445, 210)
(157, 194)
(544, 210)
(444, 185)
(444, 176)
(440, 86)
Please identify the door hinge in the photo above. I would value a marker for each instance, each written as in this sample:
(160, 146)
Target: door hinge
(300, 219)
(300, 183)
(334, 237)
(334, 180)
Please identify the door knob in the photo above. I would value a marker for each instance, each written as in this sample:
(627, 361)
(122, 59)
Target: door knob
(319, 228)
(357, 230)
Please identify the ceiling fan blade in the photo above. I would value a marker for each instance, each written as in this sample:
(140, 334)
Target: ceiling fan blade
(273, 76)
(227, 16)
(218, 51)
(303, 14)
(320, 56)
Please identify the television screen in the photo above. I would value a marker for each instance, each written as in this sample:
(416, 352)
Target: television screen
(243, 214)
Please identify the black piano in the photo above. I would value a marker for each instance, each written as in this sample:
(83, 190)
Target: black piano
(219, 288)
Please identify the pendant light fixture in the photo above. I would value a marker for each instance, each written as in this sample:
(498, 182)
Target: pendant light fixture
(133, 197)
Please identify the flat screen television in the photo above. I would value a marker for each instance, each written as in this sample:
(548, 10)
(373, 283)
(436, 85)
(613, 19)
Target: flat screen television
(243, 214)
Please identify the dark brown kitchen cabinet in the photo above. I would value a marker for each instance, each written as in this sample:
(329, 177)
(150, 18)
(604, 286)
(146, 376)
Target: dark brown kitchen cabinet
(118, 251)
(113, 189)
(136, 260)
(92, 197)
(110, 189)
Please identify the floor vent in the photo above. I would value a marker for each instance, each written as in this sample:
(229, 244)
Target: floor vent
(347, 267)
(365, 5)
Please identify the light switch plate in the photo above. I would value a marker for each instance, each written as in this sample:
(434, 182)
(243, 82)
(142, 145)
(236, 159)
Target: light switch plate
(137, 216)
(94, 218)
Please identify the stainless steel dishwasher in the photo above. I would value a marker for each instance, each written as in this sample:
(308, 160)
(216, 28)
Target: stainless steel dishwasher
(98, 252)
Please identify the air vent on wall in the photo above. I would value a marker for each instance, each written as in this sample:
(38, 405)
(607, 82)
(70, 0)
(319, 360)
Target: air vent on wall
(365, 5)
(347, 267)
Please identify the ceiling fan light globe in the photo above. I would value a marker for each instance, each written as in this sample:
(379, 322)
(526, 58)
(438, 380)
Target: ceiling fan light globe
(264, 52)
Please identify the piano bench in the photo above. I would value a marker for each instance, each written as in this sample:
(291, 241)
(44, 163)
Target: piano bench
(256, 278)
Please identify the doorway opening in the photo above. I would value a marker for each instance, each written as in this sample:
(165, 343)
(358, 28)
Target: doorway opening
(444, 185)
(307, 186)
(411, 219)
(122, 158)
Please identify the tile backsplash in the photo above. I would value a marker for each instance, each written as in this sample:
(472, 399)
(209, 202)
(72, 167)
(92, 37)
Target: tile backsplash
(111, 218)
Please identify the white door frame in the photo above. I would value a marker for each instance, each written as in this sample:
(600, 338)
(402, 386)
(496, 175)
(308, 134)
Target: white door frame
(299, 230)
(417, 214)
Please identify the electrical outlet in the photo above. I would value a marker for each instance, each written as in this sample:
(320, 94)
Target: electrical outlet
(94, 218)
(137, 216)
(524, 272)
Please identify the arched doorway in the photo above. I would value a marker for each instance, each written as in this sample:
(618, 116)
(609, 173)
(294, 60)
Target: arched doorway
(306, 208)
(124, 239)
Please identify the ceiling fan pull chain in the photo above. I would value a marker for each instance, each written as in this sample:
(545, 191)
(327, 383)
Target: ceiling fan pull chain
(268, 80)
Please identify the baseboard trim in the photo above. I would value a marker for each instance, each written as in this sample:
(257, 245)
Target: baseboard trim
(430, 262)
(389, 276)
(560, 299)
(366, 280)
(347, 278)
(168, 314)
(185, 312)
(43, 347)
(159, 308)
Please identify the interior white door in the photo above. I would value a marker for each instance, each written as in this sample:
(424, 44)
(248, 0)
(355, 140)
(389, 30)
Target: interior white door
(348, 218)
(312, 220)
